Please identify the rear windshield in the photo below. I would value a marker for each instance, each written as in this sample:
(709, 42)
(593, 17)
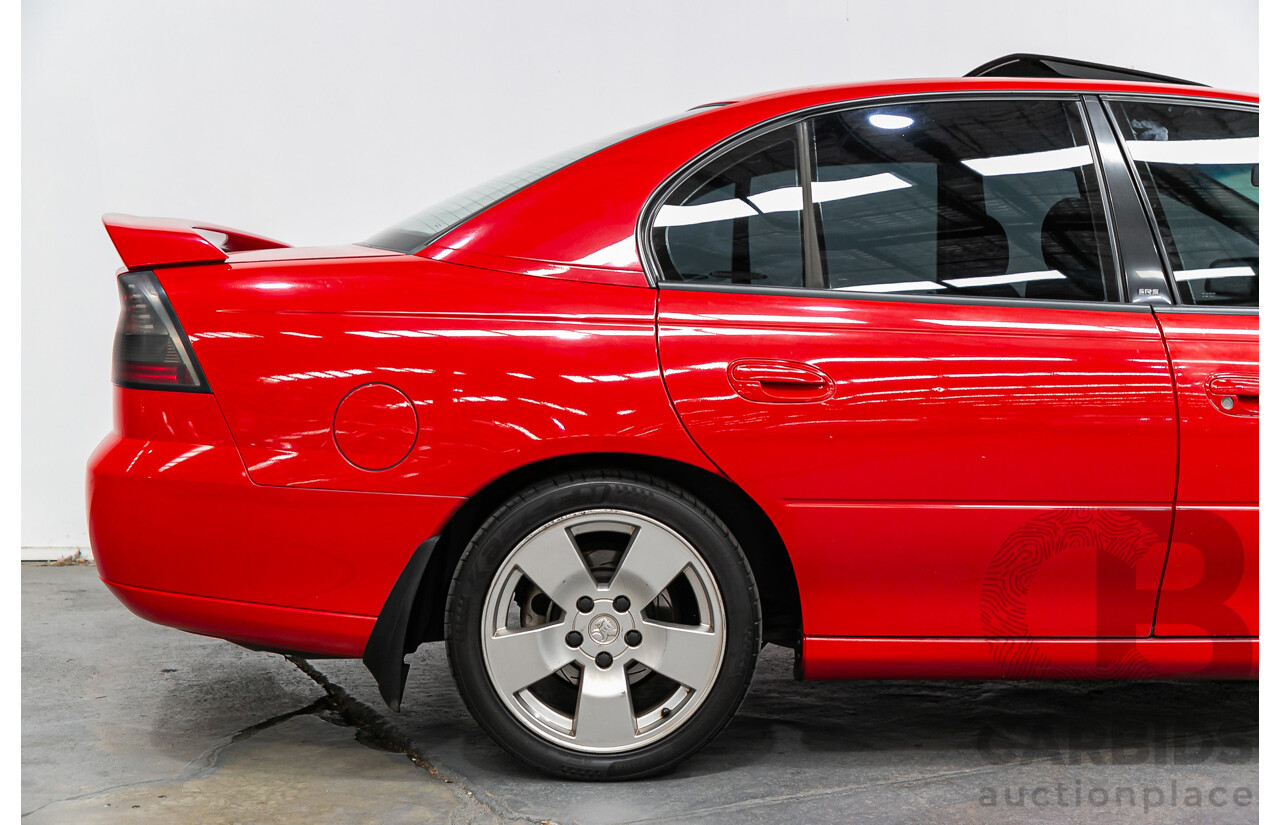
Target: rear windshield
(418, 231)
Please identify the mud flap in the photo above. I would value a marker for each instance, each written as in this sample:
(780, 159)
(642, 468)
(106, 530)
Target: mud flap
(385, 651)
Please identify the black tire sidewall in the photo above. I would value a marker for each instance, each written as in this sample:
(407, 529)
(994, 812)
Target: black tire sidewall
(499, 536)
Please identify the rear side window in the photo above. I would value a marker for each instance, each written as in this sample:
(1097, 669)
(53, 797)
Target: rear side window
(992, 198)
(737, 220)
(1199, 168)
(996, 198)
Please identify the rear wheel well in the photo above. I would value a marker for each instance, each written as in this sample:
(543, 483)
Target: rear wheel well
(755, 532)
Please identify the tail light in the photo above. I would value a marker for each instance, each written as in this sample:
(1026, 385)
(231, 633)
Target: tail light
(151, 350)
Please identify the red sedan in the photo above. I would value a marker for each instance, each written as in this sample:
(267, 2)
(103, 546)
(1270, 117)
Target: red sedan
(947, 378)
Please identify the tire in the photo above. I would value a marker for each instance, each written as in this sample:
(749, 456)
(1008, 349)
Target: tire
(554, 678)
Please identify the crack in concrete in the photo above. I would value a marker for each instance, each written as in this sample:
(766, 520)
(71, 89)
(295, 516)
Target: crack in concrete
(196, 767)
(374, 730)
(371, 730)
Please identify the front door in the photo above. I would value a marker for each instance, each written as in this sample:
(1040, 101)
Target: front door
(899, 329)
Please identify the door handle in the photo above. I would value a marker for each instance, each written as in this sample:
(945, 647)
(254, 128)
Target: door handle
(780, 382)
(1234, 394)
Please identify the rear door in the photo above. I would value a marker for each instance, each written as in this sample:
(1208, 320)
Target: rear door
(1197, 163)
(900, 328)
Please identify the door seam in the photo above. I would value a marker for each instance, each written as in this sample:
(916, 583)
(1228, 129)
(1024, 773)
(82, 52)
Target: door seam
(662, 375)
(1177, 468)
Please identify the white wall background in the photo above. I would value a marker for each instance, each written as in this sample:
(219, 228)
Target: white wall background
(318, 122)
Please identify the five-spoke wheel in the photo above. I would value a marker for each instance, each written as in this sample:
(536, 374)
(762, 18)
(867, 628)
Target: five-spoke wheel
(639, 667)
(603, 627)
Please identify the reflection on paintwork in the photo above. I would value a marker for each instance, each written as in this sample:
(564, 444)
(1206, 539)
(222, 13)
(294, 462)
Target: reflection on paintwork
(282, 456)
(176, 460)
(759, 332)
(549, 271)
(411, 370)
(763, 317)
(1225, 332)
(1028, 325)
(562, 334)
(315, 374)
(619, 254)
(222, 334)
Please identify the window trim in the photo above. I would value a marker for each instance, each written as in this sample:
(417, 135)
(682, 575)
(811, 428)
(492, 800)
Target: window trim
(648, 212)
(1206, 309)
(815, 276)
(1141, 273)
(899, 297)
(1153, 226)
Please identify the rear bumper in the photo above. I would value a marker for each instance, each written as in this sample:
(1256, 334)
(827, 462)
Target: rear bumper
(285, 629)
(184, 538)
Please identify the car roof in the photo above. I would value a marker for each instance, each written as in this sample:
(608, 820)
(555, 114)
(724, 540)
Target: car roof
(583, 218)
(879, 88)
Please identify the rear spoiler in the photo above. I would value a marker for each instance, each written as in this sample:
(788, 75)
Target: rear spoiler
(147, 242)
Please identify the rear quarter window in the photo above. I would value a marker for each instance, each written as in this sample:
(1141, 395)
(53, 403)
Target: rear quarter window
(424, 228)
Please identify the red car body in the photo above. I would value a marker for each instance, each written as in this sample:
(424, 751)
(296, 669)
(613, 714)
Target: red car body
(926, 488)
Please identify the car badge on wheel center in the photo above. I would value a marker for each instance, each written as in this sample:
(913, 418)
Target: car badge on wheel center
(603, 630)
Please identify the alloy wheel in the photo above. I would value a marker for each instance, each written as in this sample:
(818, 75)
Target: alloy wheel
(603, 631)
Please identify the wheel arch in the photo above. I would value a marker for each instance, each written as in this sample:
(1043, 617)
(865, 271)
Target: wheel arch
(415, 609)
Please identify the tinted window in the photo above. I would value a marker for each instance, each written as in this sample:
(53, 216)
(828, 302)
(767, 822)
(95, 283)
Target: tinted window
(737, 219)
(417, 231)
(1198, 165)
(990, 198)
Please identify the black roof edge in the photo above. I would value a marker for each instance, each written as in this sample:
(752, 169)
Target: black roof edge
(1043, 65)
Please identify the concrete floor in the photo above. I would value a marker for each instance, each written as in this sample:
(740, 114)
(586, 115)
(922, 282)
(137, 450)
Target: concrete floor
(125, 721)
